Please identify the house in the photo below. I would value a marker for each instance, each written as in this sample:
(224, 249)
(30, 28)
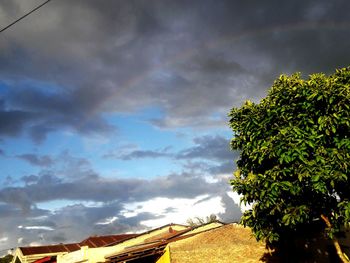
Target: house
(35, 253)
(87, 254)
(228, 243)
(157, 245)
(41, 254)
(154, 249)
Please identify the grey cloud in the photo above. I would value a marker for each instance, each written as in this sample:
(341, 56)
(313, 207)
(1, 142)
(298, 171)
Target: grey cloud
(28, 179)
(103, 57)
(77, 221)
(13, 122)
(134, 221)
(71, 223)
(41, 112)
(170, 209)
(226, 167)
(197, 166)
(48, 188)
(8, 180)
(232, 210)
(73, 62)
(138, 154)
(7, 210)
(203, 200)
(208, 147)
(16, 197)
(34, 159)
(12, 217)
(215, 148)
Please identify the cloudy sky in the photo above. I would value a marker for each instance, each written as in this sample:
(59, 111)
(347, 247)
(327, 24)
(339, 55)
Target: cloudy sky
(113, 114)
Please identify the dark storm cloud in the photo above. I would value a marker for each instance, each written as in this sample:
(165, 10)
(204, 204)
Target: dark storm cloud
(195, 60)
(13, 122)
(72, 63)
(39, 112)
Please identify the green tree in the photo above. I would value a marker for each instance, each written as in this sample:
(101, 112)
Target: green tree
(295, 157)
(6, 259)
(198, 221)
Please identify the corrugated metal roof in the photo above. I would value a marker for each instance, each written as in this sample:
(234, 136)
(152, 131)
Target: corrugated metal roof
(167, 235)
(49, 249)
(145, 250)
(92, 242)
(100, 241)
(155, 245)
(152, 230)
(150, 247)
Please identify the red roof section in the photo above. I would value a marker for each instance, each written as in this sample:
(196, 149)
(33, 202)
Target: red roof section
(49, 249)
(92, 242)
(100, 241)
(152, 230)
(46, 260)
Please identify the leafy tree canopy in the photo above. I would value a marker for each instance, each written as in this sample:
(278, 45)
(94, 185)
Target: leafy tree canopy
(294, 164)
(6, 259)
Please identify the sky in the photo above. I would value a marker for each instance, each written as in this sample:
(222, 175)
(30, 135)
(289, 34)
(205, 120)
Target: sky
(113, 114)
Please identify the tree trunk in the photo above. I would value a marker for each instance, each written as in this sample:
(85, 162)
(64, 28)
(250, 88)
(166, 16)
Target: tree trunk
(340, 253)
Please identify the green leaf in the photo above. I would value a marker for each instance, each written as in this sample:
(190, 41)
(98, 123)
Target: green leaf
(315, 178)
(294, 148)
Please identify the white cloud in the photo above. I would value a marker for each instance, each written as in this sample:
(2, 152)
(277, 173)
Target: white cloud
(210, 179)
(36, 228)
(176, 210)
(20, 240)
(3, 239)
(107, 221)
(34, 244)
(237, 199)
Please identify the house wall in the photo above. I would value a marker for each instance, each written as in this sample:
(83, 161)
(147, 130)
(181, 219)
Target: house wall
(17, 255)
(31, 258)
(86, 254)
(165, 258)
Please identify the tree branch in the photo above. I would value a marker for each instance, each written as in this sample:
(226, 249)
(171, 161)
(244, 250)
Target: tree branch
(340, 253)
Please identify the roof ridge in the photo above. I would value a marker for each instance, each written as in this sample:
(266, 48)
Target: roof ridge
(147, 232)
(50, 245)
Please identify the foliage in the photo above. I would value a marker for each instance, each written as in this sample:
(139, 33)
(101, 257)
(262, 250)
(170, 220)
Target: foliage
(295, 156)
(198, 221)
(6, 259)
